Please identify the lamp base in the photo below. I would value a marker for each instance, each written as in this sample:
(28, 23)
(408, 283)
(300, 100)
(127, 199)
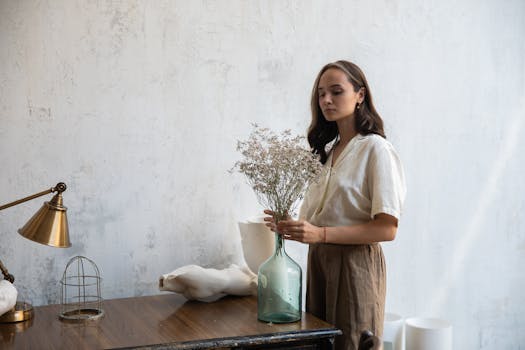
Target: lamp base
(21, 312)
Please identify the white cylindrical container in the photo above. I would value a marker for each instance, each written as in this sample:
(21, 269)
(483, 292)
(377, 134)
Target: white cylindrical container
(428, 334)
(393, 332)
(257, 242)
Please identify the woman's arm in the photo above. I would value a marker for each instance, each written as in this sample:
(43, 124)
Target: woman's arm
(382, 228)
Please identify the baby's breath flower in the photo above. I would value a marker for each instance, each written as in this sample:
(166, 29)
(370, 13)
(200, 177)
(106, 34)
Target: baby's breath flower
(278, 168)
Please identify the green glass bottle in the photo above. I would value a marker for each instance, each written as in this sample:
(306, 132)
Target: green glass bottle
(279, 293)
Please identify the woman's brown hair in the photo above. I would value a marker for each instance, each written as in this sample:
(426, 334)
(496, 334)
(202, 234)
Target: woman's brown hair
(367, 120)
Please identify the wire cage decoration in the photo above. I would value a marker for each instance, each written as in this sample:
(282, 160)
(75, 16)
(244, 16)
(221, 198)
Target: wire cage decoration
(80, 292)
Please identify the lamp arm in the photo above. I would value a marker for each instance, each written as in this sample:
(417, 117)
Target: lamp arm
(6, 273)
(60, 187)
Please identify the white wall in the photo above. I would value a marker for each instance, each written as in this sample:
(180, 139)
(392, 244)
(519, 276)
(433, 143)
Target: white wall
(136, 105)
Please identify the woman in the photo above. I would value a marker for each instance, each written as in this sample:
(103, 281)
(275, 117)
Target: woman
(355, 205)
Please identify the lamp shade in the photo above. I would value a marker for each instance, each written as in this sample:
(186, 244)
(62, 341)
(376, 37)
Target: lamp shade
(49, 225)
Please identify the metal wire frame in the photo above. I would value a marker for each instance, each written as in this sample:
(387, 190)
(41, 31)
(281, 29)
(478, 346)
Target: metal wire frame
(80, 292)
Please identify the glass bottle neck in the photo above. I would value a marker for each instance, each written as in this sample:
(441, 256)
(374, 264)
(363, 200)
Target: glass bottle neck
(279, 245)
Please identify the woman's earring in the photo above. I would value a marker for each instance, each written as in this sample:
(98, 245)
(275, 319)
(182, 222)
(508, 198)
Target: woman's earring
(358, 105)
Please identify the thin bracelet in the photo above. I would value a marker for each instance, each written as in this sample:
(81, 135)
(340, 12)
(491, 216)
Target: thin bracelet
(324, 230)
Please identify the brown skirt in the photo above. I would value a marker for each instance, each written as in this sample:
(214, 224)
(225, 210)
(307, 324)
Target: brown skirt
(346, 286)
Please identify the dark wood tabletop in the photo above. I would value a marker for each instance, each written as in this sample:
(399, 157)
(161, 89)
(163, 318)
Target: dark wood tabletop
(167, 321)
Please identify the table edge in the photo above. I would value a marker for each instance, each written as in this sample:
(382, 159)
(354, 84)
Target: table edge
(246, 340)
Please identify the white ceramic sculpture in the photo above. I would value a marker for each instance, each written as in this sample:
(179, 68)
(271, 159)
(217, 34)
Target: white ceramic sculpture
(8, 296)
(257, 242)
(198, 283)
(208, 284)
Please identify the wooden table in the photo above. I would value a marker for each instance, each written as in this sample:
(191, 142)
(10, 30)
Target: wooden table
(168, 321)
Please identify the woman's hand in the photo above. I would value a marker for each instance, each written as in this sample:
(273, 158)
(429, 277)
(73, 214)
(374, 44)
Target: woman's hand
(301, 231)
(297, 230)
(270, 221)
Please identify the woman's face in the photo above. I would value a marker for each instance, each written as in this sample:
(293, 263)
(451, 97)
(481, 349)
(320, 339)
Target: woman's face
(337, 98)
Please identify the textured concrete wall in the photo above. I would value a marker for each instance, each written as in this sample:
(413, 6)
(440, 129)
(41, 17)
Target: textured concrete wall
(136, 105)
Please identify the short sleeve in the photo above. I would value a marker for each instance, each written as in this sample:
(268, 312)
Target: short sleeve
(386, 181)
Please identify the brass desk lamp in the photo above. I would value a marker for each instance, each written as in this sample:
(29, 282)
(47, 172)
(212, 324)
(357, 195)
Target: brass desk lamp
(48, 226)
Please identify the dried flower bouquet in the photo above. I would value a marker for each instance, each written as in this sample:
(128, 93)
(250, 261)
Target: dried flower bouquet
(278, 168)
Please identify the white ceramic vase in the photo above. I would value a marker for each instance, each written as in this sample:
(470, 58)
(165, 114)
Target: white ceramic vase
(428, 334)
(257, 241)
(393, 332)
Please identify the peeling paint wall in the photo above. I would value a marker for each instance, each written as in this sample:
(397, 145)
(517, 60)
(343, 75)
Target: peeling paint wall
(136, 105)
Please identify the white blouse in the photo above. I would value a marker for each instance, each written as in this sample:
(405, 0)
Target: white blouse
(366, 179)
